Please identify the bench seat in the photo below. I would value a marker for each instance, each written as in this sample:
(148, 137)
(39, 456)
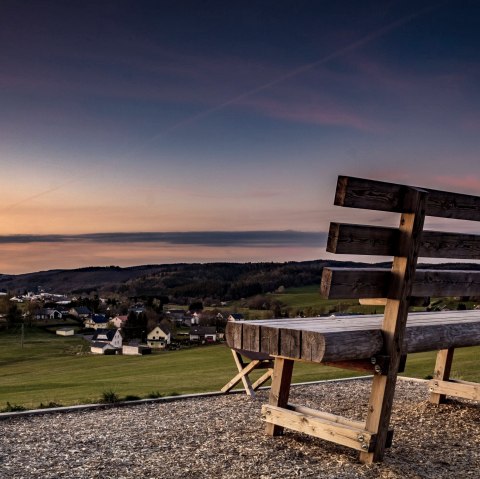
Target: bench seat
(342, 338)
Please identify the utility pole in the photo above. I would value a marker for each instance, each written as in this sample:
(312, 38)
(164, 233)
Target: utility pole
(22, 337)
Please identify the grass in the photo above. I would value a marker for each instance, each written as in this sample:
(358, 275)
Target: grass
(51, 369)
(308, 298)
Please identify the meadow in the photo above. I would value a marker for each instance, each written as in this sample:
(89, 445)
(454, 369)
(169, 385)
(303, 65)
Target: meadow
(54, 369)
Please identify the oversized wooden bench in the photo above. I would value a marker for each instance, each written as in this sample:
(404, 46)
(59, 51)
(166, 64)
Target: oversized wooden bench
(376, 343)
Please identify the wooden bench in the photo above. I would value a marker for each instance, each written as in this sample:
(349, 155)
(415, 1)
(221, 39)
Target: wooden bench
(376, 343)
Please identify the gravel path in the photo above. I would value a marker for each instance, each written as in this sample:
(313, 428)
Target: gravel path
(222, 437)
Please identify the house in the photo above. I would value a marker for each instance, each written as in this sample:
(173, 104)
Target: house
(159, 337)
(80, 312)
(136, 350)
(178, 316)
(96, 321)
(65, 331)
(118, 321)
(48, 314)
(203, 334)
(110, 336)
(195, 319)
(235, 317)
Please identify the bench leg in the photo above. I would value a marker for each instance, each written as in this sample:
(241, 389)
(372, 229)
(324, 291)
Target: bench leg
(243, 373)
(443, 366)
(378, 416)
(281, 380)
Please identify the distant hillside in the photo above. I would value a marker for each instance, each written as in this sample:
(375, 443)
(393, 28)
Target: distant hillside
(74, 280)
(218, 281)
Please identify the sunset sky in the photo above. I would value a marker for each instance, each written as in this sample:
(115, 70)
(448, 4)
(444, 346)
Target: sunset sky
(215, 117)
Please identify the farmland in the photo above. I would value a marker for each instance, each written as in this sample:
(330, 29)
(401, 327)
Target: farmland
(53, 369)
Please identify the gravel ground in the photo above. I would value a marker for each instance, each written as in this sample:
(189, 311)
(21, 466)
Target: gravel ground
(222, 437)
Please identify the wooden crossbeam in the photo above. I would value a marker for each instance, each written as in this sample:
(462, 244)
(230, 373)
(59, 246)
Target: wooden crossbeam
(322, 425)
(382, 196)
(244, 370)
(383, 241)
(352, 283)
(452, 387)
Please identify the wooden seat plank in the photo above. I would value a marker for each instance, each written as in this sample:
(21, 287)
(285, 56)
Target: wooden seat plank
(358, 337)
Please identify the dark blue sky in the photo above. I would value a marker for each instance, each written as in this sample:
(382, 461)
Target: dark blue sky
(168, 116)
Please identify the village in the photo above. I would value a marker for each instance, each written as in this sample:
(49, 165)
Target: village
(110, 327)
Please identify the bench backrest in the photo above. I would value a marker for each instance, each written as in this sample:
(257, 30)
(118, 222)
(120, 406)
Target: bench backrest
(405, 244)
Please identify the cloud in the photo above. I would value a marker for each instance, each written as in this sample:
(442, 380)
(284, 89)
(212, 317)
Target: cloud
(288, 238)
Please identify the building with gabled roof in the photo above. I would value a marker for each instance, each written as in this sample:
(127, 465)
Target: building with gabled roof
(159, 337)
(112, 337)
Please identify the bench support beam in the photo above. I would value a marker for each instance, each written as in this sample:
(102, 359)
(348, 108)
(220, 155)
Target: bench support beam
(279, 393)
(452, 387)
(395, 320)
(244, 370)
(443, 366)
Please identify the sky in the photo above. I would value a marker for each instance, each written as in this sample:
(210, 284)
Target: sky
(140, 132)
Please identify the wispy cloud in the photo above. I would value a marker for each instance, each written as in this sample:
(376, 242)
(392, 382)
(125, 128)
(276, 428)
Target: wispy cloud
(286, 238)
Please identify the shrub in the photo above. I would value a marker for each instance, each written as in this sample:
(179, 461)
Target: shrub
(154, 395)
(110, 397)
(13, 408)
(49, 405)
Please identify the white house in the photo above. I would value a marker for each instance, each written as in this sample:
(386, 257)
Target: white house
(159, 337)
(108, 336)
(207, 334)
(48, 313)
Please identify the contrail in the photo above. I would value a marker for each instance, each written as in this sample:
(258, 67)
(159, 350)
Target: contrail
(291, 74)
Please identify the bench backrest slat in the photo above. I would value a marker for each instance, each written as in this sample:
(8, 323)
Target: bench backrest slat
(353, 283)
(382, 196)
(383, 241)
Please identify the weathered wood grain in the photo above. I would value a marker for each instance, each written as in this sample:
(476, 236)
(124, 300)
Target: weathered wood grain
(381, 196)
(291, 343)
(463, 389)
(270, 340)
(351, 283)
(360, 337)
(395, 320)
(383, 241)
(233, 334)
(443, 366)
(315, 425)
(250, 337)
(280, 391)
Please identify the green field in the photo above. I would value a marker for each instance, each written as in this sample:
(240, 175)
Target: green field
(308, 298)
(49, 369)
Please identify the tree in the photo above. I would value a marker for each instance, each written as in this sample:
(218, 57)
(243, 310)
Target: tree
(196, 306)
(14, 315)
(135, 326)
